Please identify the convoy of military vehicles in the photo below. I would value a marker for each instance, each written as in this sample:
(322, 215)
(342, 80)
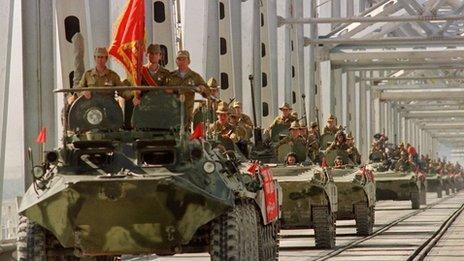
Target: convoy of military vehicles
(157, 188)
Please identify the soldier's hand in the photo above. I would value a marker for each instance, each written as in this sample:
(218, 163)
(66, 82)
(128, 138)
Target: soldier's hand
(136, 101)
(87, 94)
(70, 99)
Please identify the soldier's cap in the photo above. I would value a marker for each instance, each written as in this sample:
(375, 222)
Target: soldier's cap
(100, 51)
(212, 83)
(154, 48)
(350, 136)
(285, 106)
(377, 136)
(183, 54)
(223, 108)
(313, 124)
(294, 126)
(331, 118)
(303, 124)
(237, 104)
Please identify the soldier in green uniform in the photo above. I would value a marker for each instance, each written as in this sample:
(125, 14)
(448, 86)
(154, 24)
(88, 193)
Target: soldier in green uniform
(404, 164)
(331, 127)
(339, 143)
(209, 106)
(313, 143)
(184, 76)
(353, 152)
(243, 120)
(285, 118)
(153, 74)
(222, 127)
(99, 76)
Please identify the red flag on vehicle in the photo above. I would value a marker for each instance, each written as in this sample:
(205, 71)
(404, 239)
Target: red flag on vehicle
(324, 163)
(253, 168)
(129, 40)
(197, 132)
(42, 137)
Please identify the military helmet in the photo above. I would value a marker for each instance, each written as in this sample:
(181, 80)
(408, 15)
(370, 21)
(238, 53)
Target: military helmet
(212, 83)
(183, 54)
(237, 104)
(100, 51)
(285, 106)
(223, 108)
(154, 48)
(294, 126)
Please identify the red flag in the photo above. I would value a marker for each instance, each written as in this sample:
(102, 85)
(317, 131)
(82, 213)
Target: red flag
(129, 40)
(42, 137)
(197, 132)
(270, 195)
(324, 163)
(253, 168)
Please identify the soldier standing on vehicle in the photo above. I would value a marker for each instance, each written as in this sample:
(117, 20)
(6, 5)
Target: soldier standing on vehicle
(331, 127)
(99, 76)
(153, 74)
(404, 164)
(184, 76)
(313, 143)
(207, 108)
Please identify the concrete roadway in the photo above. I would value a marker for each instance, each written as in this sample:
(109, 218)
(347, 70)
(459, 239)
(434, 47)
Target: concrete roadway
(397, 242)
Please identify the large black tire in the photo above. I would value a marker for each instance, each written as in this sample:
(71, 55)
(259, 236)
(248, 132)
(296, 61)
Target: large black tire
(268, 240)
(365, 219)
(234, 234)
(31, 241)
(324, 227)
(415, 200)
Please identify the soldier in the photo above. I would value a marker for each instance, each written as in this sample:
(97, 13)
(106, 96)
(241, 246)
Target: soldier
(404, 164)
(353, 152)
(184, 76)
(286, 118)
(212, 101)
(339, 143)
(153, 74)
(222, 127)
(242, 117)
(331, 127)
(99, 76)
(313, 145)
(338, 163)
(303, 130)
(291, 159)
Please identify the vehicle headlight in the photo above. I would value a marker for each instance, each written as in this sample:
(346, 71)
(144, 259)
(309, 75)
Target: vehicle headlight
(209, 167)
(38, 172)
(94, 116)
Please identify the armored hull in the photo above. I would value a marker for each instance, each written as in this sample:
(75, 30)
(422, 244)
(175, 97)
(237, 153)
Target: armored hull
(392, 185)
(435, 184)
(309, 201)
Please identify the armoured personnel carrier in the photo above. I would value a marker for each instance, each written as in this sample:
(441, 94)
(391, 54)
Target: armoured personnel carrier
(108, 191)
(309, 192)
(356, 192)
(435, 183)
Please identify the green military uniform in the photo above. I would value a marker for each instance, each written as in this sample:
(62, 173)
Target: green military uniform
(207, 108)
(92, 78)
(287, 121)
(354, 154)
(218, 129)
(404, 165)
(190, 78)
(160, 76)
(331, 130)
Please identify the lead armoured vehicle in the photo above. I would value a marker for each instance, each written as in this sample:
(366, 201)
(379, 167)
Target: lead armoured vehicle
(435, 183)
(309, 192)
(108, 192)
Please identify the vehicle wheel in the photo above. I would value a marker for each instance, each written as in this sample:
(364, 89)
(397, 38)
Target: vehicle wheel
(423, 197)
(365, 219)
(324, 227)
(415, 200)
(234, 234)
(31, 241)
(268, 240)
(439, 192)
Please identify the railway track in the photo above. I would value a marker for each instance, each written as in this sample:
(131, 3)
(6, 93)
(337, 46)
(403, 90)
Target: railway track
(381, 244)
